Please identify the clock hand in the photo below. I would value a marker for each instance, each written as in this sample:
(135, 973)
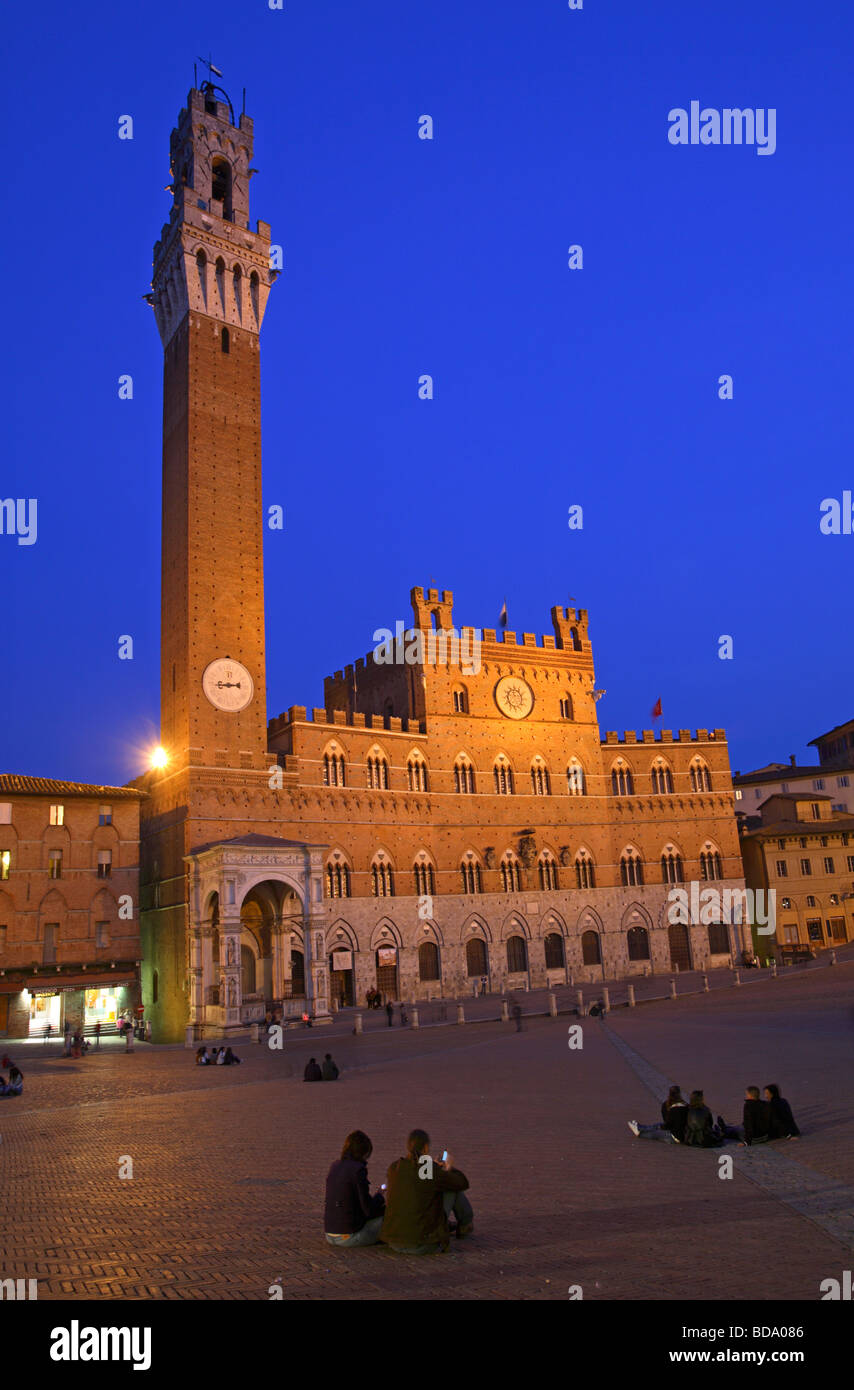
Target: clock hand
(228, 685)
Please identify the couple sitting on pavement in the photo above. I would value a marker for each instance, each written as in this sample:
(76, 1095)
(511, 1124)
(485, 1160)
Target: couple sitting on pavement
(410, 1212)
(328, 1072)
(690, 1122)
(219, 1057)
(15, 1084)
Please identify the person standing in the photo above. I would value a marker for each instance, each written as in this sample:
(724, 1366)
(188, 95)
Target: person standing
(389, 1012)
(129, 1038)
(403, 1016)
(97, 1035)
(517, 1015)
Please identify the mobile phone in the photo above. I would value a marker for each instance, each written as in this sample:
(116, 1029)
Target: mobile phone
(382, 1187)
(445, 1156)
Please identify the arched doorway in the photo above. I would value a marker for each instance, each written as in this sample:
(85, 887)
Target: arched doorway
(247, 971)
(342, 981)
(386, 958)
(428, 962)
(680, 946)
(477, 961)
(591, 953)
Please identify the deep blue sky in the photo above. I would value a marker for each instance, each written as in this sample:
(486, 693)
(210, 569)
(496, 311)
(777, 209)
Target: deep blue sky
(402, 257)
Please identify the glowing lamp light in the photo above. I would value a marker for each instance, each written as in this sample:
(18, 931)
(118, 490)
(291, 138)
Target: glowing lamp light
(159, 759)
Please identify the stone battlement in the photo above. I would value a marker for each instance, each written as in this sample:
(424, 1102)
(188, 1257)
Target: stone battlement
(630, 736)
(300, 714)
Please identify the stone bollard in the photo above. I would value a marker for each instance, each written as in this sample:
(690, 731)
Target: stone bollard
(833, 958)
(631, 996)
(705, 984)
(606, 1001)
(461, 1014)
(254, 1033)
(552, 1005)
(357, 1026)
(672, 989)
(415, 1022)
(737, 979)
(773, 970)
(505, 1011)
(190, 1035)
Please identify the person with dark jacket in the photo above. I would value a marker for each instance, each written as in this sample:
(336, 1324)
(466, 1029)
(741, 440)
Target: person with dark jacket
(781, 1121)
(754, 1128)
(699, 1125)
(312, 1071)
(422, 1192)
(352, 1216)
(329, 1071)
(389, 1012)
(674, 1113)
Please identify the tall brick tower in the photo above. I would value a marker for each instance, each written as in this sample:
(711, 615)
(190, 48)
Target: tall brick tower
(210, 285)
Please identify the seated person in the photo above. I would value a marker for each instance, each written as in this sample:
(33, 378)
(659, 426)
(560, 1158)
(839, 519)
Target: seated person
(699, 1126)
(15, 1084)
(754, 1129)
(674, 1114)
(422, 1192)
(230, 1060)
(781, 1121)
(329, 1071)
(202, 1058)
(312, 1071)
(352, 1216)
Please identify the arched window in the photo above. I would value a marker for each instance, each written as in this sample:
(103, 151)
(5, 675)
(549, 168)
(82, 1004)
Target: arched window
(672, 869)
(337, 878)
(416, 772)
(511, 874)
(463, 775)
(470, 874)
(202, 268)
(382, 878)
(219, 271)
(247, 970)
(585, 871)
(422, 872)
(333, 767)
(297, 973)
(476, 961)
(225, 340)
(622, 782)
(711, 865)
(638, 941)
(575, 783)
(700, 778)
(377, 772)
(540, 778)
(566, 707)
(221, 185)
(547, 868)
(428, 961)
(662, 778)
(461, 700)
(631, 869)
(253, 291)
(555, 956)
(517, 955)
(502, 773)
(590, 952)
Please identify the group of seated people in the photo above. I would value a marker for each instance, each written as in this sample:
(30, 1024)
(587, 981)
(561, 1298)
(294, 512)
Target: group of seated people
(328, 1072)
(217, 1057)
(410, 1211)
(15, 1085)
(690, 1121)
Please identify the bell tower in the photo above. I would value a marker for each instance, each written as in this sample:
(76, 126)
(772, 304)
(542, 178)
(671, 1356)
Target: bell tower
(209, 291)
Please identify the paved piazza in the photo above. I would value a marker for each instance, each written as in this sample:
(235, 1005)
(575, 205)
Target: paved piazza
(229, 1164)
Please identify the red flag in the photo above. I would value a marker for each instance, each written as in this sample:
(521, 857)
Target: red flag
(656, 709)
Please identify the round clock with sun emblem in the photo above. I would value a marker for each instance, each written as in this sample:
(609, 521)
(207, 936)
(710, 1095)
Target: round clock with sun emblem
(228, 685)
(514, 697)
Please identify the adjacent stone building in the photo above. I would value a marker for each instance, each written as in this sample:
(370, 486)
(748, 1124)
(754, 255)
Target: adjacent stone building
(69, 888)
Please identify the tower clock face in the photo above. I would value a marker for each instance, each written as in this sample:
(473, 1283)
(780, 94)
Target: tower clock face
(228, 685)
(514, 697)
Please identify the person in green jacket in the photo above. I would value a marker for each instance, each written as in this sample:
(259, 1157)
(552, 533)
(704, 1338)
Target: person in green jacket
(421, 1193)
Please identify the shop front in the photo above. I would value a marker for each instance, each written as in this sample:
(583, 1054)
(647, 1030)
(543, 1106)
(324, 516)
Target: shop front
(45, 1012)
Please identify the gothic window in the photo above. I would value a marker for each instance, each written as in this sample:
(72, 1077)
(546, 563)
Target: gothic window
(575, 783)
(461, 700)
(476, 961)
(337, 879)
(502, 773)
(555, 957)
(547, 869)
(590, 952)
(428, 961)
(662, 778)
(672, 869)
(463, 775)
(711, 865)
(470, 874)
(219, 269)
(700, 778)
(622, 782)
(585, 870)
(638, 943)
(631, 869)
(382, 878)
(253, 291)
(566, 707)
(333, 768)
(511, 874)
(416, 772)
(377, 772)
(517, 955)
(539, 778)
(422, 872)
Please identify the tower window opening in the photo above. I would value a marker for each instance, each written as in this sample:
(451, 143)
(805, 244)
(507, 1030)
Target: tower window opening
(226, 340)
(221, 185)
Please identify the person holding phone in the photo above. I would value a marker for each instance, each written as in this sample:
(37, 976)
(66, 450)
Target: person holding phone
(352, 1216)
(422, 1193)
